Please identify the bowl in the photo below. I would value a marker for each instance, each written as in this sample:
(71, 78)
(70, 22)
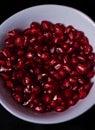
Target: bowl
(53, 13)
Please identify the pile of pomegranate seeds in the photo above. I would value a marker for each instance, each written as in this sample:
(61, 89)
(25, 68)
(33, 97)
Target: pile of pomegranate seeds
(47, 67)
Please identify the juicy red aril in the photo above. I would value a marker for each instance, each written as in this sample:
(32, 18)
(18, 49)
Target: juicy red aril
(19, 41)
(87, 49)
(6, 52)
(90, 74)
(18, 97)
(46, 98)
(2, 62)
(13, 33)
(81, 68)
(59, 108)
(82, 93)
(9, 84)
(34, 25)
(47, 26)
(29, 55)
(47, 67)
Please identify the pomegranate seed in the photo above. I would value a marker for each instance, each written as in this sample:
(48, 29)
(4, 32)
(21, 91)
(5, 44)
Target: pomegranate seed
(74, 73)
(47, 26)
(39, 108)
(6, 53)
(84, 41)
(66, 59)
(76, 45)
(57, 67)
(67, 93)
(67, 68)
(59, 109)
(72, 80)
(74, 60)
(65, 84)
(35, 90)
(61, 73)
(27, 80)
(2, 62)
(18, 97)
(45, 56)
(87, 86)
(9, 41)
(87, 49)
(81, 68)
(90, 74)
(70, 50)
(46, 98)
(34, 25)
(69, 28)
(30, 55)
(81, 58)
(19, 41)
(18, 89)
(91, 56)
(70, 102)
(58, 29)
(9, 84)
(82, 93)
(47, 37)
(5, 76)
(81, 80)
(36, 101)
(13, 33)
(20, 52)
(53, 103)
(59, 50)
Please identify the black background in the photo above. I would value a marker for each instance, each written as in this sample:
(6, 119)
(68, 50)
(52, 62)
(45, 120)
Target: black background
(84, 122)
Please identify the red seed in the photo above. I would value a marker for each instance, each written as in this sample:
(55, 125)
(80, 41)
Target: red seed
(36, 90)
(87, 86)
(39, 108)
(6, 53)
(27, 80)
(9, 40)
(30, 55)
(46, 98)
(18, 97)
(58, 29)
(13, 33)
(34, 25)
(5, 76)
(87, 49)
(70, 102)
(19, 41)
(82, 93)
(20, 52)
(81, 68)
(67, 68)
(81, 80)
(2, 62)
(59, 109)
(90, 74)
(9, 84)
(67, 93)
(47, 26)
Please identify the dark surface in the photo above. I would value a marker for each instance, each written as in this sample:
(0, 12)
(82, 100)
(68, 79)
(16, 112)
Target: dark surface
(8, 121)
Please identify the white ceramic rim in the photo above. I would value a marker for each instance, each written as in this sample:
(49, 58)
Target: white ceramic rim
(39, 6)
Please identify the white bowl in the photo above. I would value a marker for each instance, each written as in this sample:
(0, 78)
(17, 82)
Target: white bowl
(53, 13)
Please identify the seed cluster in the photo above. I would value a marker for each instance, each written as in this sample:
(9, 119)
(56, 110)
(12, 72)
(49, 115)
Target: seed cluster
(47, 67)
